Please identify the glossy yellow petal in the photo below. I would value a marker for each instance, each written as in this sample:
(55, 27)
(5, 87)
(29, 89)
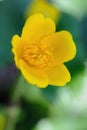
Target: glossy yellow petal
(16, 48)
(34, 75)
(37, 27)
(61, 45)
(58, 76)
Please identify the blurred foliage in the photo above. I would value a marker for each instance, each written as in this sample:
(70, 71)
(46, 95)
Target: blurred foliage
(11, 21)
(64, 123)
(76, 8)
(25, 107)
(3, 118)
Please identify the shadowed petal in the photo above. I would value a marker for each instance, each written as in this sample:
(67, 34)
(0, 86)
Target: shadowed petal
(33, 75)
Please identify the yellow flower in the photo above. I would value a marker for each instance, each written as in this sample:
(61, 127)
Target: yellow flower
(43, 7)
(40, 52)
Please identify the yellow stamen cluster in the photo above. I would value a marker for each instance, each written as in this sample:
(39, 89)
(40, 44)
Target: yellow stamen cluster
(38, 56)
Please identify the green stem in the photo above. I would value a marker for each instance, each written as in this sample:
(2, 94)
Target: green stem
(17, 91)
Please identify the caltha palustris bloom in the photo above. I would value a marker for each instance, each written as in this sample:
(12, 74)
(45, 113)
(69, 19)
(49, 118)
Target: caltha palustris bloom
(40, 52)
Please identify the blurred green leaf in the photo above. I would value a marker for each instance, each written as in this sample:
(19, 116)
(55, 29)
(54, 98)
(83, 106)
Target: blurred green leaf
(3, 118)
(62, 123)
(77, 8)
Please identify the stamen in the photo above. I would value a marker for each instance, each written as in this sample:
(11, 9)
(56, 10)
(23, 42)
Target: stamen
(37, 55)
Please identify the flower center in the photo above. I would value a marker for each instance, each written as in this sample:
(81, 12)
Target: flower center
(37, 55)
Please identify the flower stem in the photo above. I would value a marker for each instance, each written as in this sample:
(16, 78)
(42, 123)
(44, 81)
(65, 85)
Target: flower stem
(17, 91)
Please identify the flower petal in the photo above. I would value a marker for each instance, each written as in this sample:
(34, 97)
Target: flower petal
(59, 75)
(16, 48)
(61, 45)
(37, 27)
(33, 75)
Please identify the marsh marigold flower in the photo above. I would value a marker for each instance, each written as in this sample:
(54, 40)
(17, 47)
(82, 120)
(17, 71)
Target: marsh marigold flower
(44, 7)
(40, 52)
